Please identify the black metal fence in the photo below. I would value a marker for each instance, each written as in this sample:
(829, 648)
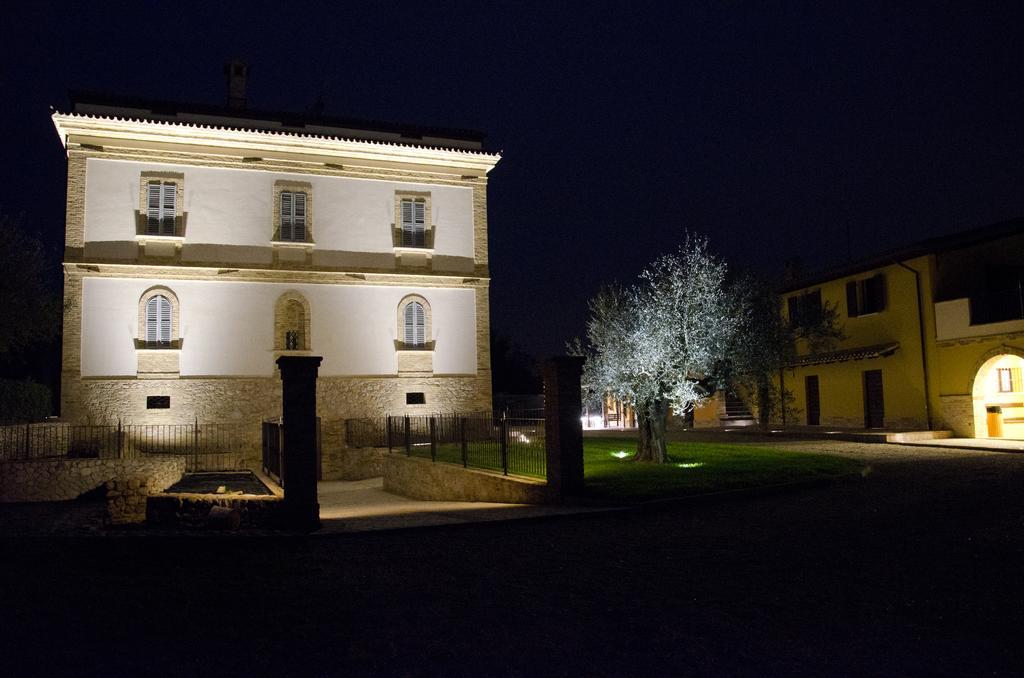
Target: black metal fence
(511, 445)
(273, 449)
(206, 447)
(366, 432)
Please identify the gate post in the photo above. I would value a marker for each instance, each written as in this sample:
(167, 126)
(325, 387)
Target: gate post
(298, 395)
(563, 430)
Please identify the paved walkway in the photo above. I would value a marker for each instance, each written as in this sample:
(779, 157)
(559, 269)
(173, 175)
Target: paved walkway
(363, 505)
(993, 444)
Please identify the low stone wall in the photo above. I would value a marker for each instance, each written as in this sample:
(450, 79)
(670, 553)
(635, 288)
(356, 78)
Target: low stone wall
(354, 463)
(126, 498)
(192, 510)
(63, 478)
(424, 479)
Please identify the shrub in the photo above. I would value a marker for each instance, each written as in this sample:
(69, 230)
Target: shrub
(23, 401)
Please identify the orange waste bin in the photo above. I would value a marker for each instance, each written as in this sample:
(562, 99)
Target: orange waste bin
(994, 418)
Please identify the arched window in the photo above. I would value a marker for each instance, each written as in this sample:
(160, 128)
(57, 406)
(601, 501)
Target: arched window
(291, 323)
(415, 325)
(414, 331)
(158, 321)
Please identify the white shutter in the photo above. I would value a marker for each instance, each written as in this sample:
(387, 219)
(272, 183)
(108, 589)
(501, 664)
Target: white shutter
(415, 324)
(299, 223)
(410, 331)
(407, 227)
(153, 208)
(170, 197)
(152, 319)
(420, 324)
(419, 225)
(286, 215)
(165, 320)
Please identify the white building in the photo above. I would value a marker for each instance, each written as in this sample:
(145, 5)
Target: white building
(202, 243)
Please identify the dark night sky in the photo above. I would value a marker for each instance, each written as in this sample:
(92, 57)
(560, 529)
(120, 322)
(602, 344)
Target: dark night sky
(773, 128)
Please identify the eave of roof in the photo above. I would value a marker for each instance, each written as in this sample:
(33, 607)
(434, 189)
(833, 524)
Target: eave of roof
(163, 110)
(935, 245)
(845, 355)
(70, 126)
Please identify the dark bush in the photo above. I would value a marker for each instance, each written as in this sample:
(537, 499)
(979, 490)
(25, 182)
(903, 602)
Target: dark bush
(23, 401)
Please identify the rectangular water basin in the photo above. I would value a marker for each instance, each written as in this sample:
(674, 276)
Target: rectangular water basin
(232, 482)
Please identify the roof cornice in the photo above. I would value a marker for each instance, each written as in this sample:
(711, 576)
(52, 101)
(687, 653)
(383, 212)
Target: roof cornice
(253, 142)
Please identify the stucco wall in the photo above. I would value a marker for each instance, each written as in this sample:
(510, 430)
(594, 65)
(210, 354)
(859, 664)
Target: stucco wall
(227, 328)
(841, 385)
(233, 207)
(841, 393)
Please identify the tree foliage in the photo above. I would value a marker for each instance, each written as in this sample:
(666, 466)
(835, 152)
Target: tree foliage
(22, 400)
(766, 343)
(31, 310)
(650, 344)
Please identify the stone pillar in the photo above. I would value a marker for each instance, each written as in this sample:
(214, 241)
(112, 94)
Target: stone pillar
(298, 377)
(563, 430)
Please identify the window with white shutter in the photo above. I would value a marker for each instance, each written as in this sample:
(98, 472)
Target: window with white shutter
(415, 325)
(414, 222)
(161, 207)
(158, 321)
(293, 216)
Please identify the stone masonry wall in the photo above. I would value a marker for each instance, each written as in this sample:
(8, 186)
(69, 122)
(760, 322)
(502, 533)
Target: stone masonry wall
(424, 479)
(215, 400)
(957, 414)
(341, 463)
(63, 479)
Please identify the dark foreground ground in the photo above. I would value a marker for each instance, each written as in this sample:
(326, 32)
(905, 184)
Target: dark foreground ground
(916, 569)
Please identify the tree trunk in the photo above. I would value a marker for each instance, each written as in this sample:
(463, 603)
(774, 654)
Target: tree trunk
(651, 419)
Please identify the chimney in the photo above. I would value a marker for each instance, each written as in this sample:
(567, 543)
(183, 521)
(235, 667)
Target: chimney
(236, 72)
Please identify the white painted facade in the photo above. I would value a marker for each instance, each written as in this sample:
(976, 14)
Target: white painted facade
(227, 328)
(227, 274)
(235, 208)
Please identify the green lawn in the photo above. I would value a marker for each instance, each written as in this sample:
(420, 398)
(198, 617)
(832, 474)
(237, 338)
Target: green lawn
(696, 468)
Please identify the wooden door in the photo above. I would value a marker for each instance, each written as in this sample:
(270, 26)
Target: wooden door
(874, 403)
(813, 400)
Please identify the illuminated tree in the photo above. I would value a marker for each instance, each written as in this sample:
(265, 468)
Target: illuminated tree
(651, 343)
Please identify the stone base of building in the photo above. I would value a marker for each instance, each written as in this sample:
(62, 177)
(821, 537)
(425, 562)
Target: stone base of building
(243, 399)
(957, 413)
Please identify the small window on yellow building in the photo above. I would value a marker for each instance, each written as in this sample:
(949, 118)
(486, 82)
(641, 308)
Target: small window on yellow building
(865, 296)
(1009, 379)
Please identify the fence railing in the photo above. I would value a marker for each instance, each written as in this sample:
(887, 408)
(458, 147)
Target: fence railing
(206, 447)
(273, 449)
(511, 445)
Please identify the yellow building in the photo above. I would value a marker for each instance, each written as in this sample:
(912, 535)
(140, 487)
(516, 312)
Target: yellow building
(934, 336)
